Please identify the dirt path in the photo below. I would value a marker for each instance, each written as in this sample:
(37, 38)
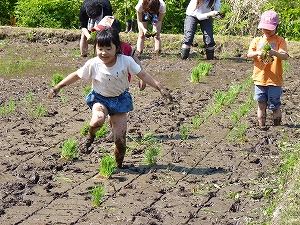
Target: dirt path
(205, 179)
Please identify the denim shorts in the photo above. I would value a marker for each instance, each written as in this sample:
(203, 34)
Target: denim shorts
(269, 94)
(120, 104)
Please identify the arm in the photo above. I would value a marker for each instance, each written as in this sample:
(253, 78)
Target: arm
(280, 55)
(153, 83)
(253, 54)
(70, 79)
(86, 33)
(140, 23)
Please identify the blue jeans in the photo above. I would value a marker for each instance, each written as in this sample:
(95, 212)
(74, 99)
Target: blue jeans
(190, 27)
(120, 104)
(269, 94)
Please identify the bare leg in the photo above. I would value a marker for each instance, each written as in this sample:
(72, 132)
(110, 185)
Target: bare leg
(262, 113)
(99, 113)
(157, 40)
(141, 38)
(277, 117)
(119, 124)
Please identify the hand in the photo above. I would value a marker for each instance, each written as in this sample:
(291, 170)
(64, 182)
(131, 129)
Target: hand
(213, 13)
(166, 94)
(147, 34)
(53, 92)
(272, 52)
(90, 41)
(142, 85)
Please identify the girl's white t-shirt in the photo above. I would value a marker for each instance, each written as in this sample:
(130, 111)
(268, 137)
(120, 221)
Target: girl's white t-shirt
(162, 7)
(109, 81)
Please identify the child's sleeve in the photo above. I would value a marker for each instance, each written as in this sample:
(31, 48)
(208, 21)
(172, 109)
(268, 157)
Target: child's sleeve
(282, 47)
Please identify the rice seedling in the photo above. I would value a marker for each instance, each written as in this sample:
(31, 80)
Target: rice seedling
(148, 138)
(7, 109)
(101, 132)
(69, 149)
(63, 99)
(31, 97)
(84, 131)
(200, 71)
(93, 35)
(196, 122)
(238, 133)
(265, 57)
(41, 111)
(87, 90)
(57, 77)
(107, 166)
(97, 193)
(184, 132)
(151, 154)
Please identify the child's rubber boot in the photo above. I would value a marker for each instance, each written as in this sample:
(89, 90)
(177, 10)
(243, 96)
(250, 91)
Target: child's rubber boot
(210, 54)
(185, 53)
(277, 121)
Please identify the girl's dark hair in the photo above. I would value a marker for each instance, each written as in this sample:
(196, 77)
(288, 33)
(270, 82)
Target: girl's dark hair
(151, 5)
(108, 35)
(201, 2)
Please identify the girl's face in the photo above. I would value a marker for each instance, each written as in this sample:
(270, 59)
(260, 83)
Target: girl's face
(268, 33)
(107, 54)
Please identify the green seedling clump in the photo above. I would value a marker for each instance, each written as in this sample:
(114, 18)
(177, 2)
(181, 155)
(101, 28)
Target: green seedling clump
(151, 155)
(265, 57)
(97, 193)
(107, 166)
(200, 71)
(93, 35)
(56, 79)
(69, 149)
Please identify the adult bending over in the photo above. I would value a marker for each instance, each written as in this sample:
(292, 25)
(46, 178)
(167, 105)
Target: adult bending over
(91, 12)
(153, 11)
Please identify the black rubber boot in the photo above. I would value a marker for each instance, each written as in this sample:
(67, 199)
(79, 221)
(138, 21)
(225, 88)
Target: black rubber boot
(210, 54)
(128, 26)
(133, 26)
(185, 53)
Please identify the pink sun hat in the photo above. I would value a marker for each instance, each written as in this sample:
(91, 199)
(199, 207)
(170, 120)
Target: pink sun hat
(269, 20)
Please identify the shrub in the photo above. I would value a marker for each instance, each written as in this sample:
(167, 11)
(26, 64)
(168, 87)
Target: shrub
(44, 13)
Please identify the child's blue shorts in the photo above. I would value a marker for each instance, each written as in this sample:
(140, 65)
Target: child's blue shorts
(120, 104)
(269, 94)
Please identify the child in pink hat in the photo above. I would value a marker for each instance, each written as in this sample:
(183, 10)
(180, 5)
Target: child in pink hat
(267, 74)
